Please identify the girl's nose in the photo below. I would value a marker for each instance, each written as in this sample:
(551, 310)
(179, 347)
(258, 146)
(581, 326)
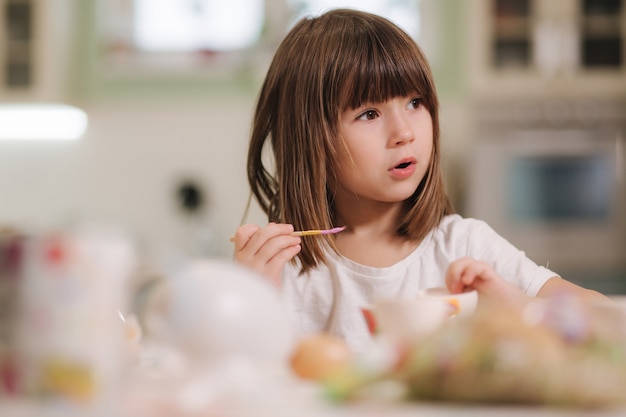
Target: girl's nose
(400, 131)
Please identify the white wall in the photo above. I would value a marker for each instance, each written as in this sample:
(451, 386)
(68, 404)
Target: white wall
(125, 170)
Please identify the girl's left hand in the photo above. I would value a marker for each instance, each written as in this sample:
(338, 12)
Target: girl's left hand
(267, 249)
(469, 274)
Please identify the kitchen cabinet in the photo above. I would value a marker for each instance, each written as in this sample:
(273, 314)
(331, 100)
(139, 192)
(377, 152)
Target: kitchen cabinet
(34, 46)
(532, 48)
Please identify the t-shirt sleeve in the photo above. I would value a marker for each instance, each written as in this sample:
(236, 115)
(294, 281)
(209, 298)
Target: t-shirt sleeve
(485, 244)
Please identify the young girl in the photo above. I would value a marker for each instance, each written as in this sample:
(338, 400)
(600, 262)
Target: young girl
(350, 112)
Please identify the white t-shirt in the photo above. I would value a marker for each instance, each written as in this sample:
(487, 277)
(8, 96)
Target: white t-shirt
(329, 298)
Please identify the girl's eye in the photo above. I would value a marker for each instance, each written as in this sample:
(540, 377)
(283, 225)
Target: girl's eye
(368, 115)
(415, 103)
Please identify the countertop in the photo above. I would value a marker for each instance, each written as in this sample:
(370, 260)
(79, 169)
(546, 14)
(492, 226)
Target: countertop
(24, 409)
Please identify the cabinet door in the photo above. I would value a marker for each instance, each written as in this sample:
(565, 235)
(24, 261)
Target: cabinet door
(561, 47)
(602, 34)
(33, 49)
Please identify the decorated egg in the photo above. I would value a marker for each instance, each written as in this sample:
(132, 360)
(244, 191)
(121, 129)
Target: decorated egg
(320, 356)
(218, 308)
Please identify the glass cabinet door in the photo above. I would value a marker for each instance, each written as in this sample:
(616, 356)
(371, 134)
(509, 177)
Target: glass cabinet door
(17, 44)
(602, 34)
(565, 36)
(512, 33)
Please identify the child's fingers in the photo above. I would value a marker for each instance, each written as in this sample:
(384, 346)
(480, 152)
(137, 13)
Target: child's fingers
(252, 238)
(455, 273)
(267, 249)
(479, 276)
(276, 245)
(276, 264)
(471, 272)
(243, 235)
(467, 273)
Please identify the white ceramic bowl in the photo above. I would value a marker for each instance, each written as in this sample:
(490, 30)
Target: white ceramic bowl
(409, 319)
(463, 304)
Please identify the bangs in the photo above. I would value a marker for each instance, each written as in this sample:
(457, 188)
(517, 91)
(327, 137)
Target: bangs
(381, 65)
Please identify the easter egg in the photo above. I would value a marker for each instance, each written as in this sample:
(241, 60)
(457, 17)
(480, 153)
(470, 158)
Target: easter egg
(320, 356)
(218, 308)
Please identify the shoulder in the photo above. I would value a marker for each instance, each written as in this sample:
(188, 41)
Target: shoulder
(456, 225)
(459, 237)
(466, 236)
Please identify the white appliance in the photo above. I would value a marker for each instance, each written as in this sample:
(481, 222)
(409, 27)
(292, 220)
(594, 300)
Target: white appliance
(557, 190)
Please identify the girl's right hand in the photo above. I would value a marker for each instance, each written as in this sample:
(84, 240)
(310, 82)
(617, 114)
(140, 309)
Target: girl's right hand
(266, 250)
(470, 274)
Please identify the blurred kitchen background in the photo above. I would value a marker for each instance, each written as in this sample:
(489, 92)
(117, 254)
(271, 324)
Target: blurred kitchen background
(533, 118)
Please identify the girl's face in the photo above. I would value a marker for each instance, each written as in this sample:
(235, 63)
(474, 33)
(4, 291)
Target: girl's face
(390, 146)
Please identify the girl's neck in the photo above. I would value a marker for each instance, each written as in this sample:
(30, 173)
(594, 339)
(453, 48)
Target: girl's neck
(369, 218)
(371, 238)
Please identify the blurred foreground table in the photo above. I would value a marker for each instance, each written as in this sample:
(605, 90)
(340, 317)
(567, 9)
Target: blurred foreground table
(25, 409)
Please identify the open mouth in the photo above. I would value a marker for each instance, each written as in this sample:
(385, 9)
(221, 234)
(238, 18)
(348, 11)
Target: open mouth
(404, 169)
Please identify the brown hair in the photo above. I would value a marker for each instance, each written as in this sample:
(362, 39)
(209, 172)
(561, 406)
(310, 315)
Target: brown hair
(324, 66)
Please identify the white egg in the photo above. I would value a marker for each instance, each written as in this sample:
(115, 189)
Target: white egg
(218, 308)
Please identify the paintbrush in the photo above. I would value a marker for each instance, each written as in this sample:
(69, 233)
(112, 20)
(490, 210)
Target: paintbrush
(312, 232)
